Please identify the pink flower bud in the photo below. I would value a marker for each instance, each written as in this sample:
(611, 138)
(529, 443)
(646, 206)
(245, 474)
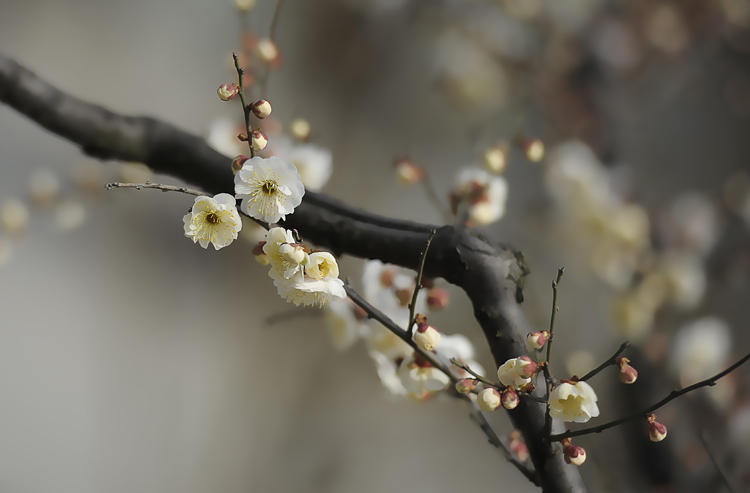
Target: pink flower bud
(386, 278)
(518, 447)
(574, 454)
(527, 366)
(437, 299)
(427, 337)
(404, 296)
(261, 108)
(509, 398)
(628, 374)
(656, 431)
(227, 92)
(408, 173)
(260, 255)
(536, 340)
(258, 140)
(238, 162)
(466, 385)
(488, 400)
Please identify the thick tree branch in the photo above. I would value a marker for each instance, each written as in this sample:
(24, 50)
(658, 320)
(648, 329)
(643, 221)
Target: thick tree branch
(489, 273)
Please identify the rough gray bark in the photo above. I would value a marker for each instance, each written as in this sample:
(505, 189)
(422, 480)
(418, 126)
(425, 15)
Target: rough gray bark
(489, 273)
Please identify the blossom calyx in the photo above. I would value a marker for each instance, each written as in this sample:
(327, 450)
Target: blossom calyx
(466, 385)
(573, 453)
(258, 140)
(656, 431)
(261, 108)
(437, 299)
(536, 340)
(427, 337)
(228, 92)
(628, 374)
(489, 400)
(509, 398)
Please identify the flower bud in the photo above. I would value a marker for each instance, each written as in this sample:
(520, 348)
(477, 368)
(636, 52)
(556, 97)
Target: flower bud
(628, 374)
(527, 366)
(386, 278)
(408, 173)
(427, 337)
(573, 453)
(300, 128)
(260, 255)
(656, 431)
(258, 140)
(437, 299)
(496, 159)
(535, 340)
(227, 92)
(238, 162)
(533, 148)
(268, 50)
(509, 398)
(488, 400)
(293, 253)
(517, 446)
(261, 108)
(404, 296)
(466, 385)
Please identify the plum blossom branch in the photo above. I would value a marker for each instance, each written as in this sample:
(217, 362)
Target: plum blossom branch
(418, 284)
(245, 108)
(609, 362)
(709, 382)
(158, 186)
(545, 366)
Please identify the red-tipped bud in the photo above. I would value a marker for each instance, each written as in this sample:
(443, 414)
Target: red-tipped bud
(227, 92)
(466, 385)
(518, 447)
(258, 140)
(260, 255)
(527, 366)
(488, 400)
(268, 50)
(427, 337)
(533, 148)
(656, 431)
(628, 374)
(238, 162)
(408, 173)
(536, 340)
(261, 108)
(509, 398)
(573, 453)
(437, 299)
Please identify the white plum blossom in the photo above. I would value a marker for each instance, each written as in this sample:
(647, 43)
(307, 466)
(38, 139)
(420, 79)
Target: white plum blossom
(516, 372)
(270, 188)
(419, 376)
(388, 373)
(314, 163)
(213, 220)
(280, 265)
(310, 291)
(573, 401)
(485, 194)
(382, 283)
(700, 349)
(343, 325)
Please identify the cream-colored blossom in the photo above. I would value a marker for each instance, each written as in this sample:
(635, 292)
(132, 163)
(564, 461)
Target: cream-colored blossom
(419, 378)
(488, 400)
(516, 372)
(280, 263)
(270, 188)
(486, 195)
(310, 292)
(322, 265)
(213, 220)
(573, 402)
(700, 349)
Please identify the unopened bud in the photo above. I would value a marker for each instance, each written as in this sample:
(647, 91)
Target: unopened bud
(267, 50)
(260, 255)
(466, 385)
(628, 374)
(656, 431)
(227, 92)
(573, 453)
(496, 158)
(300, 128)
(437, 299)
(427, 337)
(245, 5)
(404, 296)
(238, 162)
(536, 340)
(534, 149)
(258, 140)
(261, 108)
(488, 400)
(527, 366)
(293, 253)
(408, 173)
(509, 398)
(518, 447)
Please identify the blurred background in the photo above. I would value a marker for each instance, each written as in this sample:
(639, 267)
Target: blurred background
(606, 136)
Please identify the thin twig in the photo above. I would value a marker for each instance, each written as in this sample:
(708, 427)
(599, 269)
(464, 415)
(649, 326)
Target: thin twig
(641, 414)
(476, 375)
(433, 197)
(158, 186)
(245, 109)
(418, 286)
(545, 367)
(719, 469)
(609, 362)
(272, 37)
